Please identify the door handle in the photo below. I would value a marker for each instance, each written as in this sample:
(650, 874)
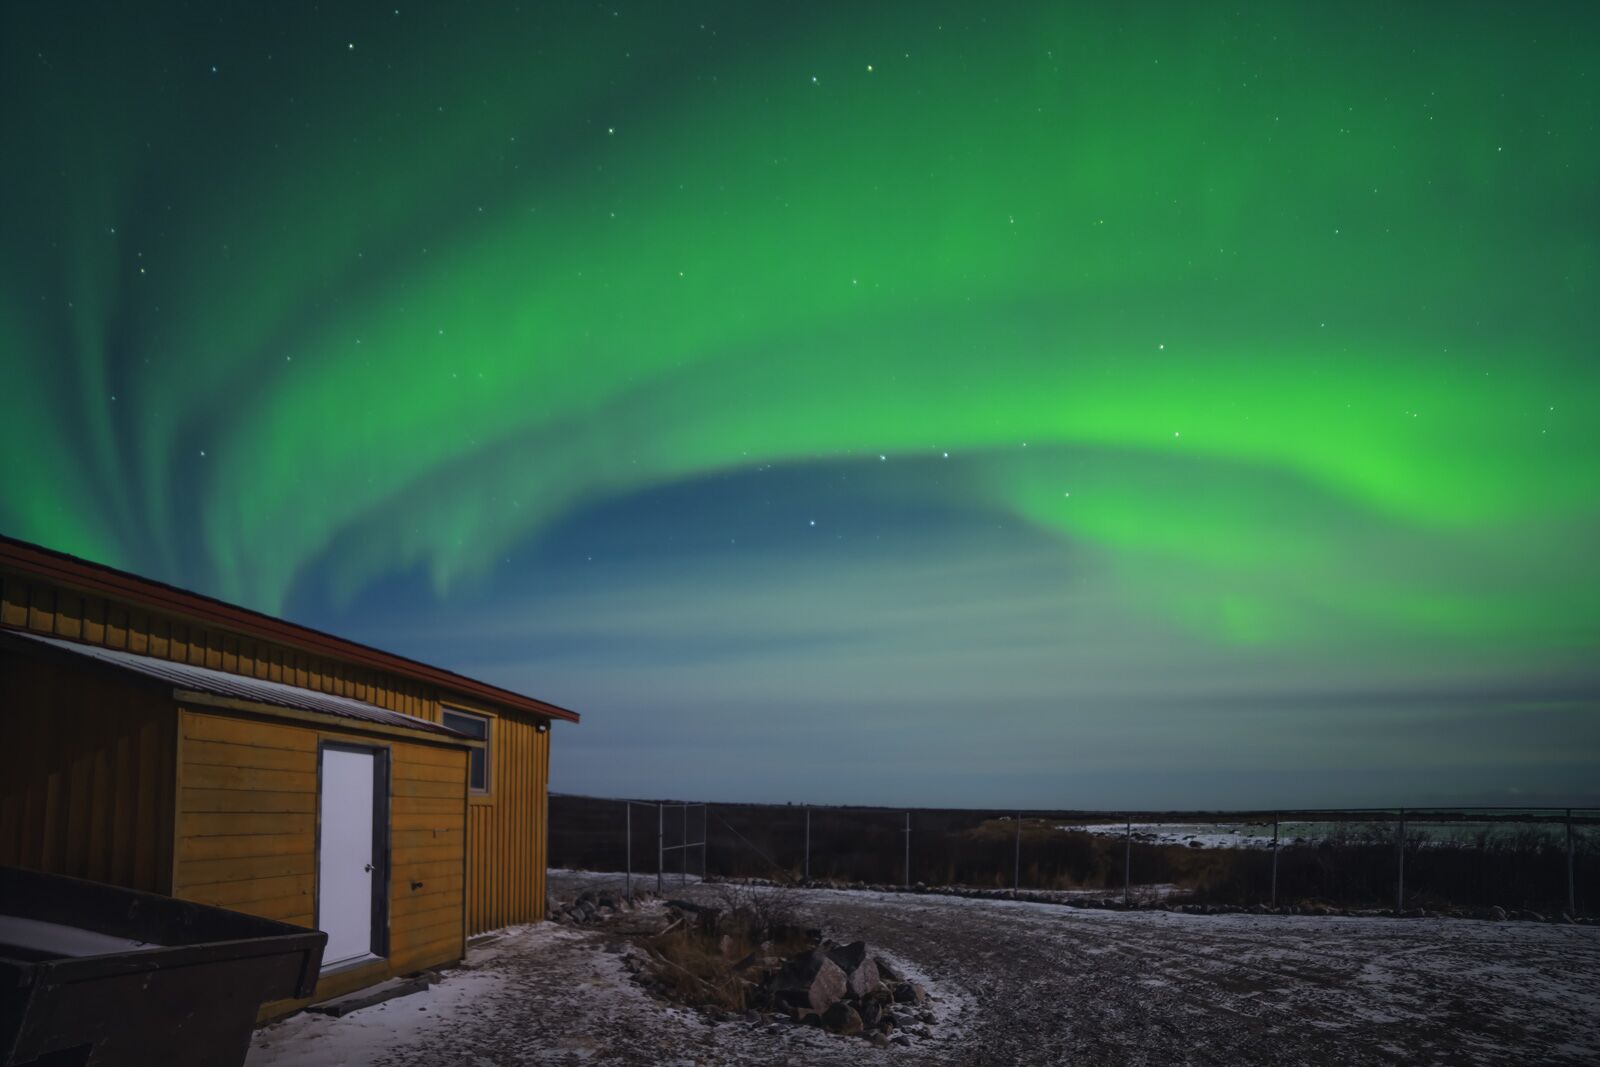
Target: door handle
(368, 868)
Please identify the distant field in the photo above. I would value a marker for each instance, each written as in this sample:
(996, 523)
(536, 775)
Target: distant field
(1470, 861)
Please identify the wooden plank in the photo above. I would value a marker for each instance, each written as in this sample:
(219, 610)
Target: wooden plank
(418, 957)
(229, 894)
(246, 868)
(423, 871)
(239, 824)
(421, 772)
(444, 821)
(407, 788)
(244, 846)
(432, 757)
(261, 801)
(94, 620)
(201, 726)
(69, 615)
(14, 602)
(429, 805)
(42, 608)
(415, 855)
(444, 911)
(428, 898)
(455, 837)
(250, 778)
(139, 632)
(197, 752)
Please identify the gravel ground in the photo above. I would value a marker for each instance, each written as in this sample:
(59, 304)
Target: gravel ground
(1019, 983)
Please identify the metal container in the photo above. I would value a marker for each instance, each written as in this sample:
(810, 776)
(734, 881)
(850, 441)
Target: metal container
(93, 974)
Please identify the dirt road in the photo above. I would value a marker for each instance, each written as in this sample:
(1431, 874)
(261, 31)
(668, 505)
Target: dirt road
(1022, 983)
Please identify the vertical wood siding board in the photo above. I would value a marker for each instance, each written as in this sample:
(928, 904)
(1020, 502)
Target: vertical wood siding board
(69, 615)
(13, 612)
(10, 815)
(160, 636)
(94, 620)
(139, 632)
(41, 608)
(122, 833)
(50, 856)
(29, 838)
(80, 769)
(99, 862)
(145, 827)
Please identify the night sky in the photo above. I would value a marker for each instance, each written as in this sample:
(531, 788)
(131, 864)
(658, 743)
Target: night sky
(920, 404)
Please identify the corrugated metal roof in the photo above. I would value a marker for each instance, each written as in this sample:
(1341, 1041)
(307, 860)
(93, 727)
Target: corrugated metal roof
(240, 687)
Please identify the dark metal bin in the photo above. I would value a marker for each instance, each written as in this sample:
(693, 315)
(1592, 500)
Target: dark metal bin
(95, 974)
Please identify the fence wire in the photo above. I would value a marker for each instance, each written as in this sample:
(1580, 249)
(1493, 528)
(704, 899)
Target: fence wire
(1404, 859)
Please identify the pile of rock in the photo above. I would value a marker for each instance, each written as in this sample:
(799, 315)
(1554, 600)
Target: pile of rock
(591, 906)
(844, 989)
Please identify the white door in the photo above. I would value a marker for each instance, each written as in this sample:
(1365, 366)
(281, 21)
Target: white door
(346, 865)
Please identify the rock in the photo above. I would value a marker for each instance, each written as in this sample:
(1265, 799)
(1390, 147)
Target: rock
(901, 1039)
(871, 1014)
(1534, 917)
(860, 971)
(886, 970)
(880, 1039)
(909, 993)
(926, 1017)
(841, 1018)
(809, 981)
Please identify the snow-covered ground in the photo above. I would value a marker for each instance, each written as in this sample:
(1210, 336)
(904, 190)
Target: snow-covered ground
(1259, 835)
(1022, 983)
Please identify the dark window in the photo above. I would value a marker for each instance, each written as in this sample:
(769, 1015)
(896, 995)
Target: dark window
(473, 726)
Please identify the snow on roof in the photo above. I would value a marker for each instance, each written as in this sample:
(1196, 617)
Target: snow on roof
(238, 686)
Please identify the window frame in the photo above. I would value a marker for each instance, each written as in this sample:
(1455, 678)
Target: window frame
(488, 741)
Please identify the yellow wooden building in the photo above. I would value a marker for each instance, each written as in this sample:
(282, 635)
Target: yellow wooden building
(165, 741)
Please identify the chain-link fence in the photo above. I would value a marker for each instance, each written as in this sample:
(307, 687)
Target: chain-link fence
(1529, 859)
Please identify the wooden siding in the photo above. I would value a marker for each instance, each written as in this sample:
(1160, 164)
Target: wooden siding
(508, 841)
(32, 604)
(247, 834)
(86, 775)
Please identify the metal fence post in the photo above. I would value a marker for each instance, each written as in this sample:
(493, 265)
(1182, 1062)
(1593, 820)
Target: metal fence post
(1572, 894)
(1016, 861)
(661, 845)
(908, 848)
(628, 837)
(705, 837)
(1127, 865)
(1274, 861)
(683, 843)
(807, 868)
(1400, 882)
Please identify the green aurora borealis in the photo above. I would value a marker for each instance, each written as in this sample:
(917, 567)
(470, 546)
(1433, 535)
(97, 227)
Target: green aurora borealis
(1252, 351)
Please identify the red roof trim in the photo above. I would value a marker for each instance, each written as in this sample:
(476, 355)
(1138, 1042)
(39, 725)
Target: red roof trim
(60, 567)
